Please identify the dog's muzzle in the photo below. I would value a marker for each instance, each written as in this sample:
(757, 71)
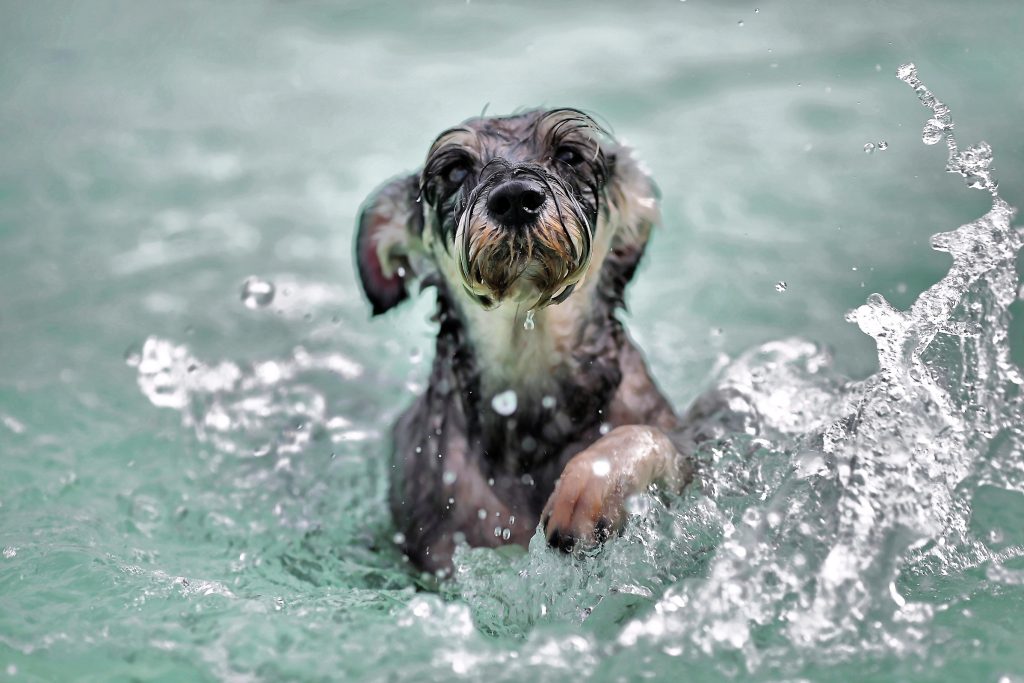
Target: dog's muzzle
(523, 237)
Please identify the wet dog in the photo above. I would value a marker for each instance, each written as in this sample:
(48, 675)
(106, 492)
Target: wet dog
(539, 408)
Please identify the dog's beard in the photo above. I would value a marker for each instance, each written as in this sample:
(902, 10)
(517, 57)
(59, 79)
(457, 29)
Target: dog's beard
(534, 266)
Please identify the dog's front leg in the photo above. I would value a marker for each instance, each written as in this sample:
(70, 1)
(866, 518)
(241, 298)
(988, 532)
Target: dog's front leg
(588, 502)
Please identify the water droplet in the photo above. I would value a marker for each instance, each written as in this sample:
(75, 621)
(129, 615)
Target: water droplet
(133, 356)
(415, 355)
(10, 551)
(756, 10)
(878, 67)
(398, 538)
(932, 132)
(257, 293)
(995, 535)
(869, 148)
(481, 514)
(601, 468)
(511, 520)
(781, 286)
(906, 72)
(497, 531)
(506, 534)
(528, 324)
(883, 145)
(739, 23)
(604, 428)
(449, 477)
(505, 403)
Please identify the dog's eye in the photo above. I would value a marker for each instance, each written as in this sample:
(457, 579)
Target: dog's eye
(456, 173)
(568, 155)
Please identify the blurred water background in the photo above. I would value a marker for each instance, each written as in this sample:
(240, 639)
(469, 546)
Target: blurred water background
(192, 485)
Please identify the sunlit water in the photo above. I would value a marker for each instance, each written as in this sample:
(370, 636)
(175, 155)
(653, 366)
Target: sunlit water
(194, 406)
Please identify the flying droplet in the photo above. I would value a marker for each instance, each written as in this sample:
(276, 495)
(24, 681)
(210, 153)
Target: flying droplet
(449, 477)
(548, 402)
(932, 132)
(481, 514)
(869, 148)
(506, 534)
(906, 72)
(883, 145)
(505, 403)
(739, 23)
(257, 293)
(528, 324)
(781, 286)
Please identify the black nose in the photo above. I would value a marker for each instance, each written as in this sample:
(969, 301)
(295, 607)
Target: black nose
(516, 202)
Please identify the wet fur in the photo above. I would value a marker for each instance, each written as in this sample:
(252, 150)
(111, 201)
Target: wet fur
(575, 376)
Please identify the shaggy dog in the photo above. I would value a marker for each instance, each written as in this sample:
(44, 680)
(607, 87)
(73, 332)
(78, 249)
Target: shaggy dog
(540, 409)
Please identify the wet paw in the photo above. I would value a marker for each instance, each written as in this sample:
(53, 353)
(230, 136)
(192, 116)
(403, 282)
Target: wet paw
(586, 507)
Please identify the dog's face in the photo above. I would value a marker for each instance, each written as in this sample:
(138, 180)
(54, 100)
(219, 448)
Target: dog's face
(513, 203)
(514, 209)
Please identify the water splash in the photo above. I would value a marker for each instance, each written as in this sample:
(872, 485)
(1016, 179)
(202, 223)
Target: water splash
(809, 533)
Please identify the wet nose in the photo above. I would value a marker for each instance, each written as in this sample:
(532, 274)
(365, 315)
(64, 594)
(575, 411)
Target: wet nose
(516, 203)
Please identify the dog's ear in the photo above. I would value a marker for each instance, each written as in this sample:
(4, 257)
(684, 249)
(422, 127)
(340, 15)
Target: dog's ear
(390, 226)
(632, 198)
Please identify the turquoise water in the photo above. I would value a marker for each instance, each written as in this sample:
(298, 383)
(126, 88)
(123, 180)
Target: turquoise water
(193, 489)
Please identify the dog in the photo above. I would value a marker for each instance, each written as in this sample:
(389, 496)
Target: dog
(539, 409)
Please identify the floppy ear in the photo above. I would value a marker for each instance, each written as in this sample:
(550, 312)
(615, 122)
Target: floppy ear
(633, 210)
(390, 225)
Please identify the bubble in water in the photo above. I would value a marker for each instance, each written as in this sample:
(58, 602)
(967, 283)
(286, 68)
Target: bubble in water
(528, 324)
(257, 293)
(781, 286)
(505, 403)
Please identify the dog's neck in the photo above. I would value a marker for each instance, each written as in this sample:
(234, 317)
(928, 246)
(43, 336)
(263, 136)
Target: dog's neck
(566, 365)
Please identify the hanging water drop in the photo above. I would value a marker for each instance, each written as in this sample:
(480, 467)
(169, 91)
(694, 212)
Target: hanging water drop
(257, 293)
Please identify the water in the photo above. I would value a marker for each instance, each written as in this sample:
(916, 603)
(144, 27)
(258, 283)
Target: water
(194, 403)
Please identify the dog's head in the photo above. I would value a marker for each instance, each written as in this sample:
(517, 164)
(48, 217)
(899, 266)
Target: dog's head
(518, 209)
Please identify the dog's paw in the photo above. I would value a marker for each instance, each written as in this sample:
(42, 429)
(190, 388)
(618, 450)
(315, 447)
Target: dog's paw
(587, 506)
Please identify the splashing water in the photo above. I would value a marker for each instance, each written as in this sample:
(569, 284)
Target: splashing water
(823, 532)
(815, 531)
